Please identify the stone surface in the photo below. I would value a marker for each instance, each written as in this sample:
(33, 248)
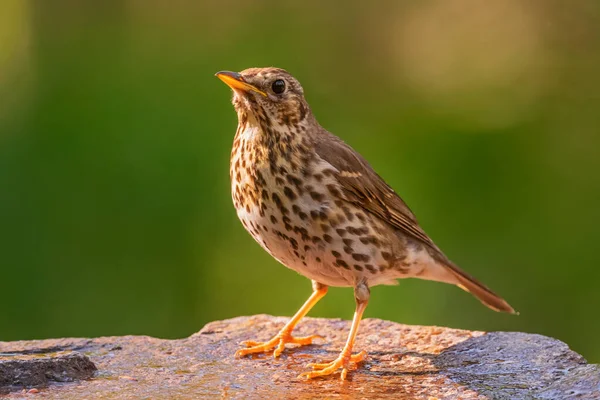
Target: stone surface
(39, 367)
(404, 362)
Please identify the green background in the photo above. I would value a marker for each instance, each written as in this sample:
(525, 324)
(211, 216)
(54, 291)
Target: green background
(115, 210)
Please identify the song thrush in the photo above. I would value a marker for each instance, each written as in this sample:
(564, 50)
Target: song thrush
(319, 208)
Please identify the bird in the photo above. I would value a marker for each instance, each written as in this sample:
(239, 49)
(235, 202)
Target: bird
(319, 208)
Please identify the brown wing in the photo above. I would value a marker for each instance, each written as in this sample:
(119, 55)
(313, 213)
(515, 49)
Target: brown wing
(363, 187)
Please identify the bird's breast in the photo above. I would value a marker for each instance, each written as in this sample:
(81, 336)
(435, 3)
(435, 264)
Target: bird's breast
(295, 209)
(279, 202)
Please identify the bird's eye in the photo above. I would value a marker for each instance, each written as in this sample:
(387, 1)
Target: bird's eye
(278, 86)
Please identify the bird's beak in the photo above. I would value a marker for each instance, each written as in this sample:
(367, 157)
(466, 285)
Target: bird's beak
(236, 82)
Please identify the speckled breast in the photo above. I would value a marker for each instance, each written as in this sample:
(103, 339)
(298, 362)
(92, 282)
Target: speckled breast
(293, 209)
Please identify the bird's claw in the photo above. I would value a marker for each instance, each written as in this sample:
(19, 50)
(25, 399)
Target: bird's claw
(278, 343)
(328, 368)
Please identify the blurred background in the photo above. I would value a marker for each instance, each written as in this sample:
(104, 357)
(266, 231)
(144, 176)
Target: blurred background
(115, 211)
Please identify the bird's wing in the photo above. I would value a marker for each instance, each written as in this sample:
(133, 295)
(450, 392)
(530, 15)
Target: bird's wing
(363, 187)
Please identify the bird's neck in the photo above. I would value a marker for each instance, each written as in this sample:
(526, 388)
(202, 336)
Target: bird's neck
(264, 143)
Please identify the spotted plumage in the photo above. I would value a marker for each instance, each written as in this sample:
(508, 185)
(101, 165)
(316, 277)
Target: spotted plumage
(317, 206)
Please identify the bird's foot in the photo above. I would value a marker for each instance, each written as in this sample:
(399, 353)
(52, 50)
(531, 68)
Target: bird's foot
(278, 343)
(343, 361)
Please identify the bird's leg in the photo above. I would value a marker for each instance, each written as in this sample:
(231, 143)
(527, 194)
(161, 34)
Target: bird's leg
(361, 293)
(285, 334)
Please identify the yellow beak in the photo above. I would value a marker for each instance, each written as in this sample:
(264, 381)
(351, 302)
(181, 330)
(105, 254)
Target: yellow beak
(236, 82)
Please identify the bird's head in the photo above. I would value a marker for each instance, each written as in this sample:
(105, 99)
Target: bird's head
(269, 96)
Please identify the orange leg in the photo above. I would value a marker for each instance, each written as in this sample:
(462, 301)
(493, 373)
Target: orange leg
(285, 334)
(361, 293)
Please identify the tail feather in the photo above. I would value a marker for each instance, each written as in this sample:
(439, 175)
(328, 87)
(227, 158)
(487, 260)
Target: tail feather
(469, 284)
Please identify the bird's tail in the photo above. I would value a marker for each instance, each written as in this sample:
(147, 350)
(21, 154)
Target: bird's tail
(469, 284)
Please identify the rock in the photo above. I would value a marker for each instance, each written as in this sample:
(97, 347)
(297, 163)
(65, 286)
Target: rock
(37, 367)
(404, 362)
